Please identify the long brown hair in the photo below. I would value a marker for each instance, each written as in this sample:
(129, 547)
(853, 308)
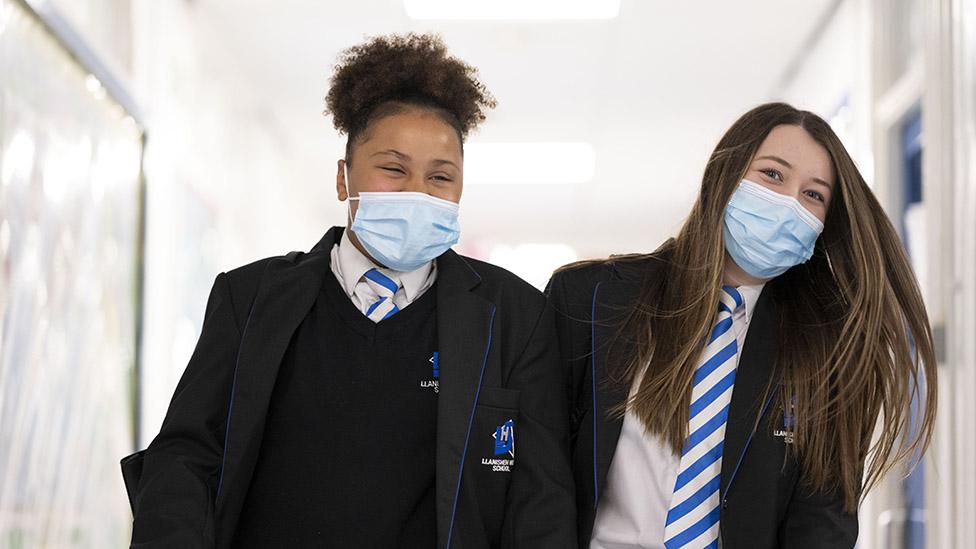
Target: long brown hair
(855, 347)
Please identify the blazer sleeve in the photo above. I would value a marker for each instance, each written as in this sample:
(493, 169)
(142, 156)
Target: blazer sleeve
(571, 303)
(173, 505)
(817, 521)
(541, 511)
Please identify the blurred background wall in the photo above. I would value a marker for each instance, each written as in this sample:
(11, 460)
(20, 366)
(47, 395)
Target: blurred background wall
(146, 145)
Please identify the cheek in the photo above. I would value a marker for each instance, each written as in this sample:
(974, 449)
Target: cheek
(377, 181)
(386, 184)
(820, 212)
(775, 186)
(817, 208)
(452, 193)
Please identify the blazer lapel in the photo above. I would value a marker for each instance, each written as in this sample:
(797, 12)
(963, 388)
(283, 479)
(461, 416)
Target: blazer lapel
(284, 298)
(612, 301)
(753, 377)
(464, 327)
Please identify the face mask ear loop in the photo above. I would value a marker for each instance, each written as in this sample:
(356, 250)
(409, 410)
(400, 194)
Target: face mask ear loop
(349, 197)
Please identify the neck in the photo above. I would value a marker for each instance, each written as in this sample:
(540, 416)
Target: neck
(359, 246)
(733, 275)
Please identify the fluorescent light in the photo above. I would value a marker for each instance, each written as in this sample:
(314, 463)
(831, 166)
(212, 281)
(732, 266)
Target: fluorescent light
(512, 9)
(541, 163)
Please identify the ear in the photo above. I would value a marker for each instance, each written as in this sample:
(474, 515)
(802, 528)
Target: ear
(342, 191)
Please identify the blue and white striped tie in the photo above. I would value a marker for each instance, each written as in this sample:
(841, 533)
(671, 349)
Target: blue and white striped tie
(385, 288)
(693, 519)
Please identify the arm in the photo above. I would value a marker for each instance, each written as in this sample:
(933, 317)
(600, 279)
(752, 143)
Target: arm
(817, 520)
(572, 315)
(174, 502)
(541, 509)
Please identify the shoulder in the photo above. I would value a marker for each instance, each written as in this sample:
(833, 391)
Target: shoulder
(582, 279)
(243, 282)
(503, 284)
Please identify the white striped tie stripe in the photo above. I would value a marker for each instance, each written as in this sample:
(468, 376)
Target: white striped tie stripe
(385, 287)
(693, 518)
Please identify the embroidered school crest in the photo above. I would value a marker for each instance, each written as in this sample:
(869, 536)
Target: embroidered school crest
(504, 443)
(789, 422)
(505, 439)
(434, 382)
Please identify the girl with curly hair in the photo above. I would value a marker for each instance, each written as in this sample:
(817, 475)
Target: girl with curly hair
(380, 390)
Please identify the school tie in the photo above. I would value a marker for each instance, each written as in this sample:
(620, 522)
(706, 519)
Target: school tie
(385, 287)
(693, 517)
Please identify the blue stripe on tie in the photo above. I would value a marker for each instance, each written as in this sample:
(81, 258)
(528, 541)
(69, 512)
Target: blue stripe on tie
(717, 360)
(391, 312)
(692, 471)
(374, 306)
(694, 530)
(724, 307)
(734, 294)
(713, 393)
(712, 545)
(694, 500)
(720, 329)
(381, 279)
(706, 429)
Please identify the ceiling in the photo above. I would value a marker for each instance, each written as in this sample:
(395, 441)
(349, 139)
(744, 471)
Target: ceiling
(650, 90)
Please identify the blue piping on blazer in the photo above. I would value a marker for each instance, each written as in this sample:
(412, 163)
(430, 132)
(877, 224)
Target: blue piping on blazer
(725, 495)
(464, 451)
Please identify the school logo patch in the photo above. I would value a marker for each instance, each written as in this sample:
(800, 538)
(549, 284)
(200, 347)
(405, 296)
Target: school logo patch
(435, 374)
(504, 439)
(789, 422)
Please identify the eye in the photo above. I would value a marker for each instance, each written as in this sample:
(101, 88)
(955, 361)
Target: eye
(393, 169)
(815, 195)
(441, 177)
(772, 174)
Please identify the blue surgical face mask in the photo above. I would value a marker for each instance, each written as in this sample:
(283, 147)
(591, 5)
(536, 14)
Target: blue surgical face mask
(766, 233)
(404, 230)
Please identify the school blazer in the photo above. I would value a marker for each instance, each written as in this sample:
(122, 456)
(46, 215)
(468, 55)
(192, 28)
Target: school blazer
(763, 503)
(498, 361)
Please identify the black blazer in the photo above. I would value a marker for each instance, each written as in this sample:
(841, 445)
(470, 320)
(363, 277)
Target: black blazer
(763, 504)
(499, 360)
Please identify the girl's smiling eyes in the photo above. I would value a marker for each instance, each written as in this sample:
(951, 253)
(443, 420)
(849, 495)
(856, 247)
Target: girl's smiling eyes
(815, 195)
(440, 177)
(772, 174)
(776, 176)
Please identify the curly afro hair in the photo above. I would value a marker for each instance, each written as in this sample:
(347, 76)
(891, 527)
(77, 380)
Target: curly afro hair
(387, 74)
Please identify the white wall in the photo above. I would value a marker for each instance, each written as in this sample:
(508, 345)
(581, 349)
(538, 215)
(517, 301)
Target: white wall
(220, 189)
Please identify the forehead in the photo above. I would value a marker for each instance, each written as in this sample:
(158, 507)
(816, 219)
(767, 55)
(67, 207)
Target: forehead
(794, 145)
(414, 132)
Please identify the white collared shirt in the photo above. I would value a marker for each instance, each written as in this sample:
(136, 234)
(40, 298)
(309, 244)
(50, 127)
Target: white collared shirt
(349, 265)
(635, 501)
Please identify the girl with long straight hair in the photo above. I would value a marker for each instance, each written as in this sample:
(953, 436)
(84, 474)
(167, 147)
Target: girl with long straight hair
(749, 381)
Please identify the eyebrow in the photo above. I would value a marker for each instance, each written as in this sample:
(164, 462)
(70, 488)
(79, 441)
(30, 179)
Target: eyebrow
(790, 166)
(394, 152)
(406, 157)
(442, 162)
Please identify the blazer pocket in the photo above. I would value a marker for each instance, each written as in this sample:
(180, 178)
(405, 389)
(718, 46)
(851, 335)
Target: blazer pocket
(496, 397)
(492, 455)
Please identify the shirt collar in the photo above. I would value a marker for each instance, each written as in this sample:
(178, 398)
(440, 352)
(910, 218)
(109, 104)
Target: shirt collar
(750, 295)
(353, 265)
